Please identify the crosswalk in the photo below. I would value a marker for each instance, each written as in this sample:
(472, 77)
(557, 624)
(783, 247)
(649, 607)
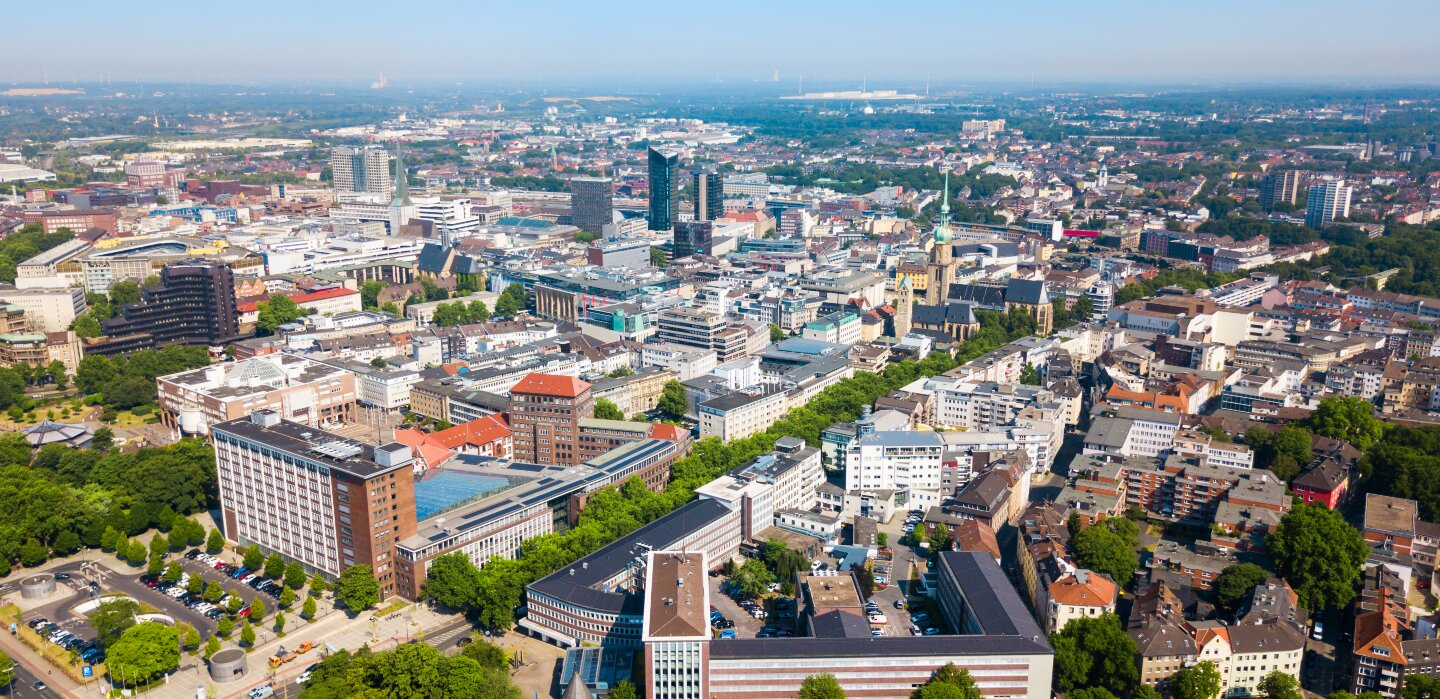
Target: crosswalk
(439, 639)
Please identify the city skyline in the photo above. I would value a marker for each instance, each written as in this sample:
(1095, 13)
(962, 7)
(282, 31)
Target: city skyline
(1045, 43)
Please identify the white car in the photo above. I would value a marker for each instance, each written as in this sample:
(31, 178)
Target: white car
(303, 677)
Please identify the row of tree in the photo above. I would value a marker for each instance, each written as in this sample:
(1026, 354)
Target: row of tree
(128, 381)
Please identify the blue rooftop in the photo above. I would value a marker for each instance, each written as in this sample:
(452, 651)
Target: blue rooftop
(444, 490)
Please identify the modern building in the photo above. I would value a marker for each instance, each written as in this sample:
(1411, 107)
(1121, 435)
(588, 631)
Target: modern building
(47, 310)
(899, 460)
(1327, 201)
(313, 496)
(664, 189)
(300, 390)
(361, 173)
(194, 304)
(693, 238)
(592, 203)
(709, 196)
(740, 414)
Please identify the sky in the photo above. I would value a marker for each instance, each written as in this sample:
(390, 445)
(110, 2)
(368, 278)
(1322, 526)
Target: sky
(890, 44)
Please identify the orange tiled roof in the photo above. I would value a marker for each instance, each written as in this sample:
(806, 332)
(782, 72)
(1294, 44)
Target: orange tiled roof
(1095, 591)
(551, 385)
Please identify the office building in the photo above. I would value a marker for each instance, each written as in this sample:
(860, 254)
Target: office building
(361, 173)
(47, 310)
(545, 415)
(693, 238)
(300, 390)
(313, 496)
(676, 629)
(1326, 202)
(194, 304)
(709, 196)
(592, 203)
(1281, 187)
(664, 189)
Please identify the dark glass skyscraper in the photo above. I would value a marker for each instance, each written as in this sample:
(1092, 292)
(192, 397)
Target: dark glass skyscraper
(591, 203)
(663, 187)
(709, 199)
(693, 238)
(194, 304)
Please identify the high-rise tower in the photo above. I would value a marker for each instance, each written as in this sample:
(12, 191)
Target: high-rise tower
(360, 172)
(664, 186)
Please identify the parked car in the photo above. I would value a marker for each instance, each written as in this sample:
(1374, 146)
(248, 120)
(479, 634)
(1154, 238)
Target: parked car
(727, 633)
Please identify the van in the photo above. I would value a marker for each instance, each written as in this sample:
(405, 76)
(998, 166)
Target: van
(878, 619)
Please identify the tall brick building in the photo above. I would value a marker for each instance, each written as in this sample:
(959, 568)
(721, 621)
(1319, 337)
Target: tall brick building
(545, 415)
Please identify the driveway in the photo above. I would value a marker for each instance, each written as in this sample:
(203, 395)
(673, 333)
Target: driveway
(746, 626)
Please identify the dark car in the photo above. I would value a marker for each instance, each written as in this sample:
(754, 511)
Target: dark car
(62, 576)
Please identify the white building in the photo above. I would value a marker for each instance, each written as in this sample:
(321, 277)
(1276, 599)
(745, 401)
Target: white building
(903, 460)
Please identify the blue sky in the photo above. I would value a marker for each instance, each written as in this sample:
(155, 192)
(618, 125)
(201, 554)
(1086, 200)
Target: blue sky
(996, 41)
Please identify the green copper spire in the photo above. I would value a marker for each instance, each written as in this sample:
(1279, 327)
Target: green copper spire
(402, 180)
(942, 229)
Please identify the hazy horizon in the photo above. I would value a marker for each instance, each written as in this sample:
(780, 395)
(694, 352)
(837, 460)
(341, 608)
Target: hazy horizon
(835, 44)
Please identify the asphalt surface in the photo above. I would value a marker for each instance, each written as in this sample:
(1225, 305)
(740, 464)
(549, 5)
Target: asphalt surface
(23, 686)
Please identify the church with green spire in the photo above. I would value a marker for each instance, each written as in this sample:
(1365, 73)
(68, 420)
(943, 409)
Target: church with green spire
(942, 255)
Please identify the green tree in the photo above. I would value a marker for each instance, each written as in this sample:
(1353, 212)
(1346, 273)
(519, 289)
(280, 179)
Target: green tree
(7, 671)
(753, 579)
(279, 624)
(274, 567)
(308, 610)
(625, 689)
(318, 585)
(453, 581)
(111, 619)
(1109, 547)
(123, 292)
(215, 543)
(258, 609)
(357, 589)
(370, 293)
(279, 310)
(159, 545)
(621, 372)
(1349, 418)
(196, 585)
(33, 553)
(606, 410)
(173, 572)
(144, 652)
(1199, 681)
(56, 371)
(254, 558)
(777, 333)
(1282, 685)
(136, 555)
(1235, 583)
(212, 646)
(86, 326)
(1030, 376)
(949, 682)
(1095, 652)
(1319, 554)
(287, 597)
(673, 401)
(189, 637)
(68, 542)
(294, 575)
(155, 565)
(488, 654)
(225, 626)
(1293, 441)
(247, 634)
(512, 300)
(823, 686)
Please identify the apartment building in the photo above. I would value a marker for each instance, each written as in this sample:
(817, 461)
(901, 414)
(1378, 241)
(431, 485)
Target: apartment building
(297, 389)
(313, 496)
(1079, 595)
(783, 479)
(704, 330)
(899, 460)
(1132, 432)
(1185, 489)
(687, 362)
(840, 327)
(638, 393)
(983, 405)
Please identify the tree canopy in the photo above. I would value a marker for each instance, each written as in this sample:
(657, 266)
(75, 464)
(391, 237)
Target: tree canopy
(144, 652)
(1095, 652)
(410, 670)
(1349, 418)
(1319, 554)
(1109, 546)
(823, 686)
(357, 589)
(1199, 681)
(1235, 582)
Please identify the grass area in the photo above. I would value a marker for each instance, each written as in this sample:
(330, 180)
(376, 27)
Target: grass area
(391, 608)
(55, 655)
(128, 420)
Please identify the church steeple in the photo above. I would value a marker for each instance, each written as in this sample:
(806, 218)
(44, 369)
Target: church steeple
(942, 229)
(402, 180)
